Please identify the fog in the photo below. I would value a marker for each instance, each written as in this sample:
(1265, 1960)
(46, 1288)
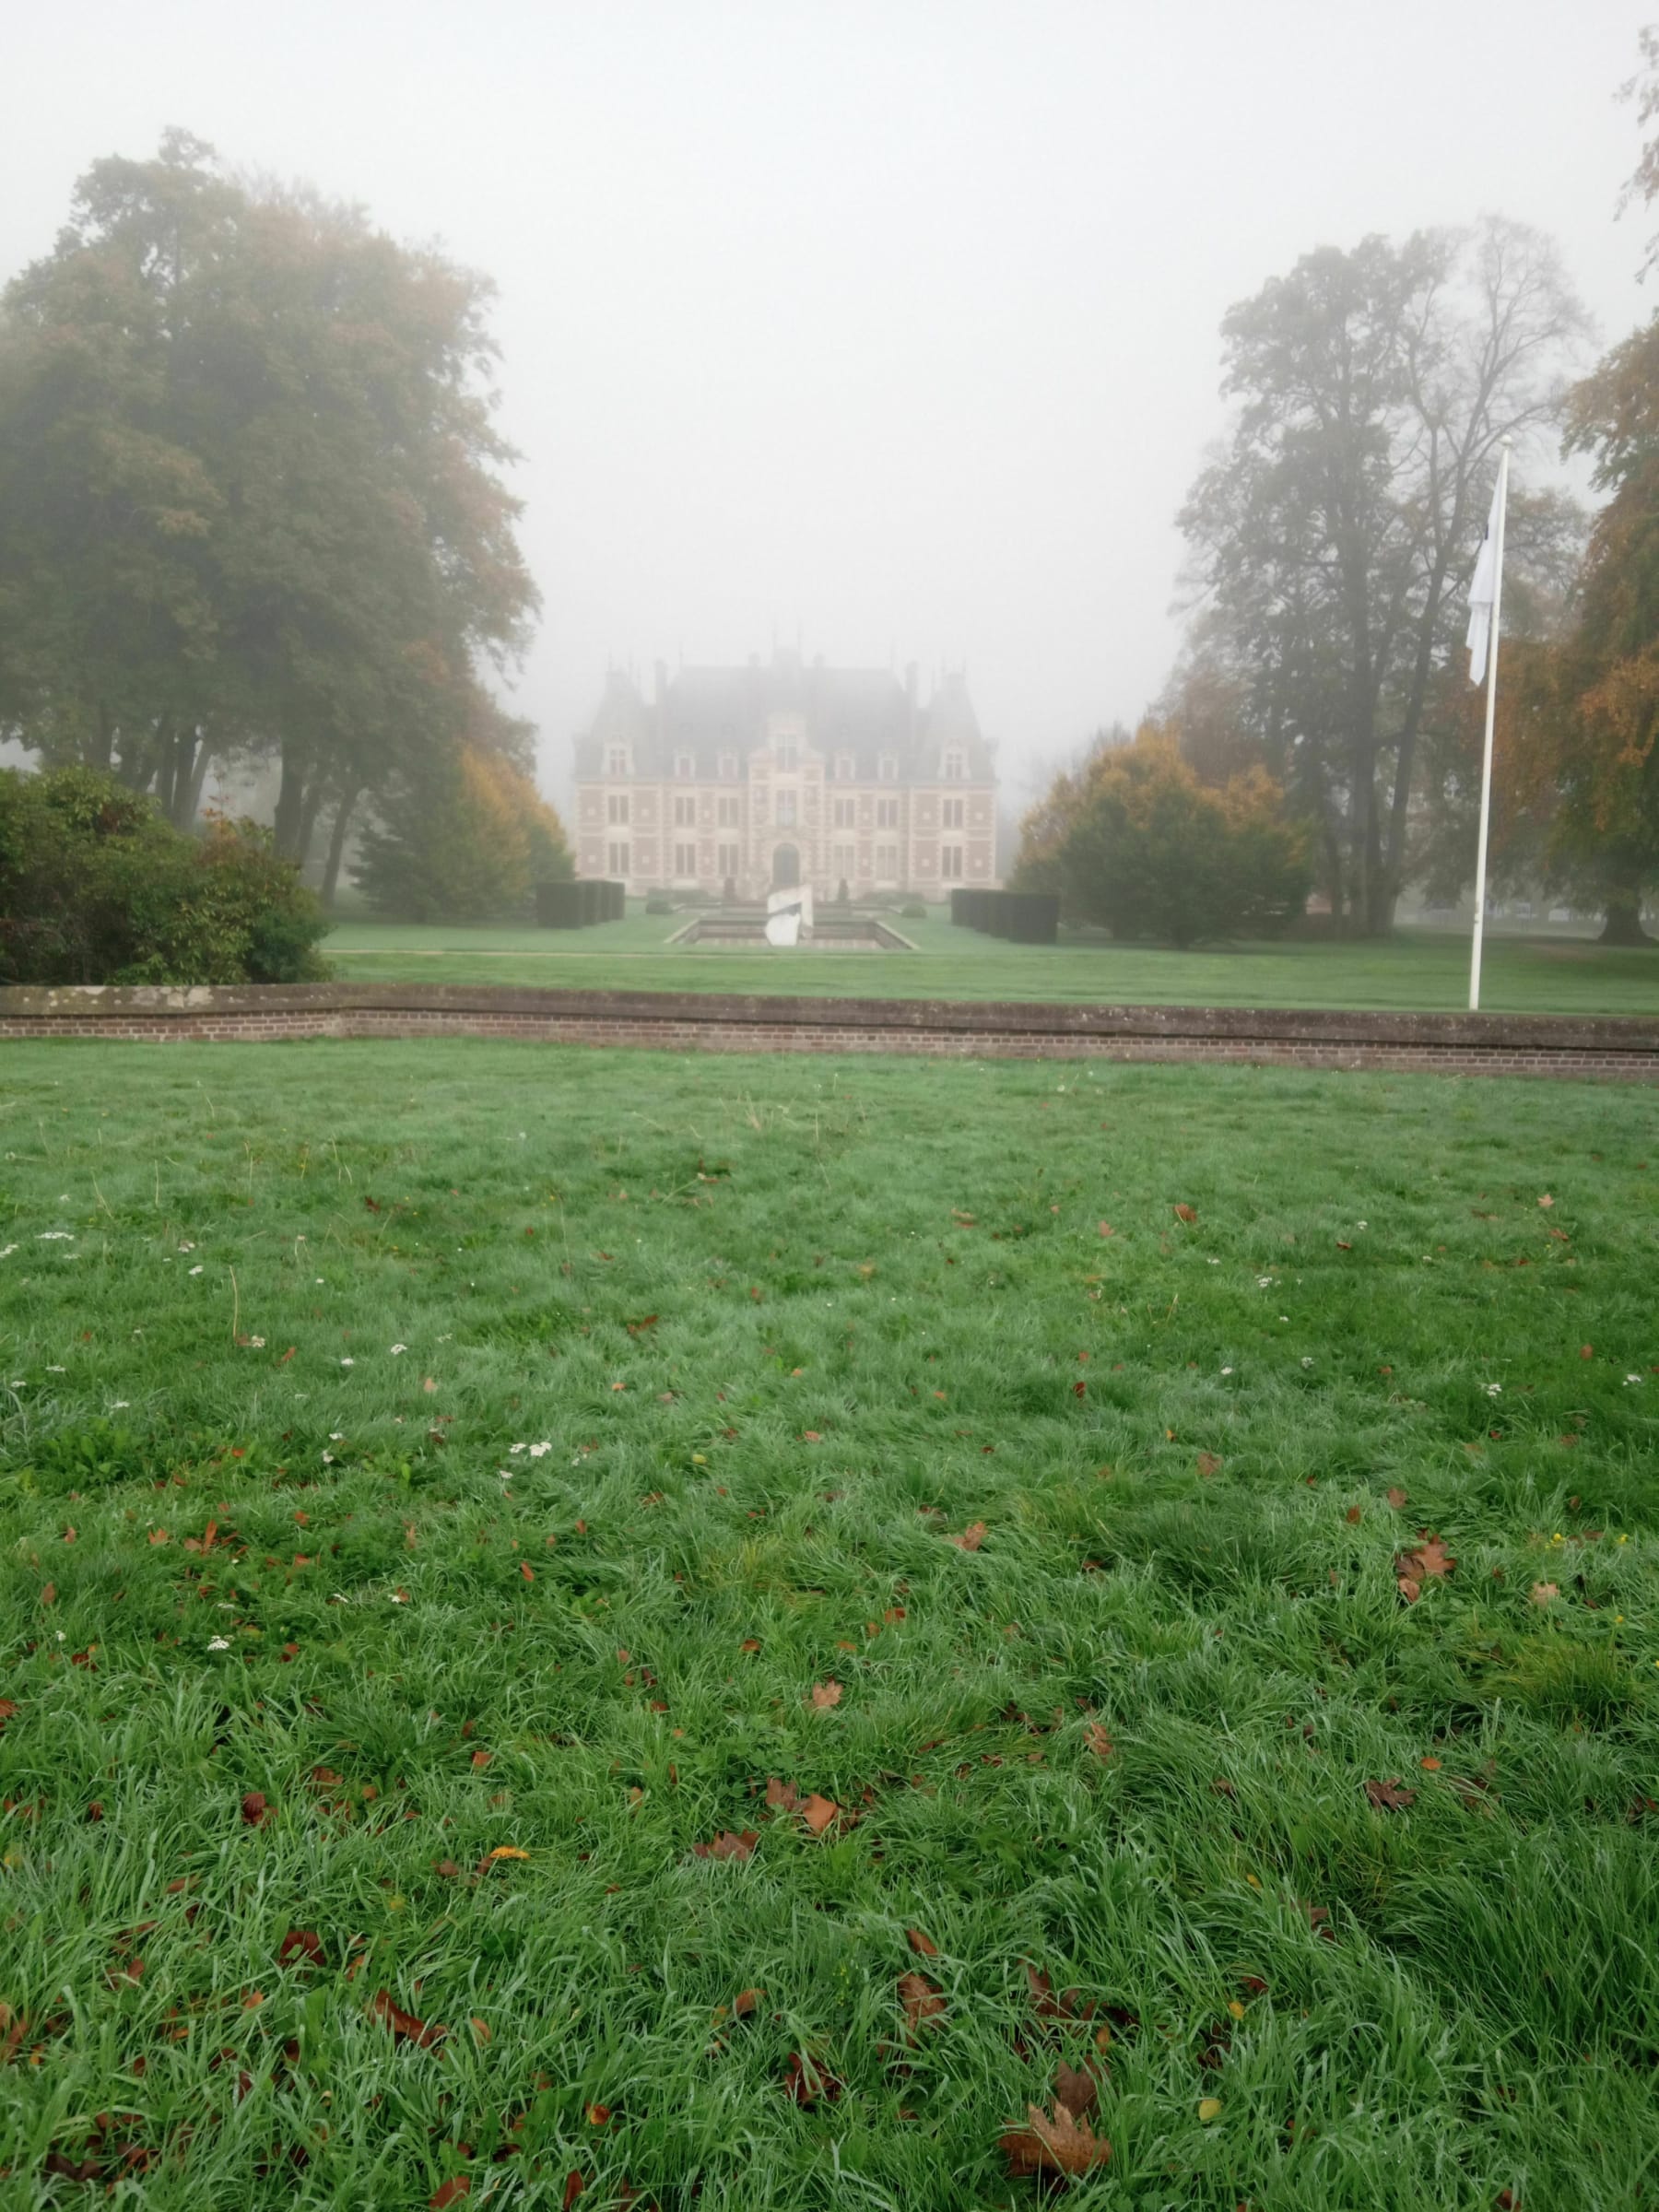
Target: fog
(890, 330)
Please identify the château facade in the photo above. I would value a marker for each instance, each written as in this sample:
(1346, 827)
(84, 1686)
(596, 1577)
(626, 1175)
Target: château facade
(736, 782)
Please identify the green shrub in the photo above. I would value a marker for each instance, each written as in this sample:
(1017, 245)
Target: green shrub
(97, 888)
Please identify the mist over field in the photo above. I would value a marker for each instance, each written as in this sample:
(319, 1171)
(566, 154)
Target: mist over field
(890, 331)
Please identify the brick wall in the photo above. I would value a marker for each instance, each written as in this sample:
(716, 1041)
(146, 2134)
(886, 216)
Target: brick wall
(1606, 1047)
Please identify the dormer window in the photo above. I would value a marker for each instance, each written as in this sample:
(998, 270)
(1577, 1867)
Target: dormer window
(685, 767)
(844, 768)
(889, 768)
(789, 757)
(956, 767)
(616, 763)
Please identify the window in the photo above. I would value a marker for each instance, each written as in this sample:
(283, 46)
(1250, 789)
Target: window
(786, 810)
(726, 862)
(789, 757)
(844, 861)
(887, 813)
(950, 863)
(617, 760)
(619, 860)
(616, 808)
(953, 813)
(685, 812)
(729, 815)
(685, 860)
(887, 864)
(728, 768)
(844, 768)
(846, 813)
(956, 767)
(889, 768)
(685, 767)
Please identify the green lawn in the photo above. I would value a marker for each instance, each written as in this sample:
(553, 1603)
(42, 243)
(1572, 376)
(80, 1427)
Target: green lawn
(415, 1453)
(1414, 968)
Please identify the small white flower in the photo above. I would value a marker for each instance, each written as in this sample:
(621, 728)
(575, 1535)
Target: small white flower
(1263, 1282)
(319, 1278)
(195, 1270)
(349, 1363)
(1362, 1225)
(1494, 1390)
(1307, 1358)
(7, 1252)
(1212, 1262)
(56, 1371)
(513, 1449)
(218, 1643)
(257, 1343)
(537, 1451)
(1227, 1371)
(328, 1459)
(336, 1436)
(399, 1598)
(1284, 1316)
(396, 1348)
(119, 1405)
(187, 1246)
(55, 1236)
(59, 1634)
(1630, 1379)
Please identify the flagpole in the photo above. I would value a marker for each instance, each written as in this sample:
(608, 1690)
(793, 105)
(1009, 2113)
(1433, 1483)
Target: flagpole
(1485, 757)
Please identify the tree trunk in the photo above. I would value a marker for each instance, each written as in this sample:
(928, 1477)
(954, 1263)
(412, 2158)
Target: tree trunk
(1623, 926)
(198, 776)
(290, 806)
(336, 847)
(308, 817)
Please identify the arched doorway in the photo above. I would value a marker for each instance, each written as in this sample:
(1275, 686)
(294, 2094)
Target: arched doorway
(786, 868)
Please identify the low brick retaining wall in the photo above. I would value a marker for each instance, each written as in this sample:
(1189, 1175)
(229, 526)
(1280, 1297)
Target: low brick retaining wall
(1624, 1050)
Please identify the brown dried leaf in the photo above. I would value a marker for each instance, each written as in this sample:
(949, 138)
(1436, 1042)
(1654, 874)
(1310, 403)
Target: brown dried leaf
(746, 2001)
(449, 2193)
(1057, 2145)
(819, 1812)
(254, 1810)
(726, 1845)
(1076, 2088)
(1186, 1213)
(1543, 1594)
(302, 1946)
(1098, 1741)
(782, 1797)
(1390, 1797)
(405, 2027)
(920, 1944)
(923, 1999)
(1209, 1463)
(825, 1695)
(971, 1538)
(1397, 1499)
(806, 2079)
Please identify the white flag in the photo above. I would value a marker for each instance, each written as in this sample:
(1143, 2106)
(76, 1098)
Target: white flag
(1483, 588)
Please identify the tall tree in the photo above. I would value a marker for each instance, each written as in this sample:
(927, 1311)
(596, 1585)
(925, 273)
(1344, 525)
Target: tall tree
(250, 490)
(1331, 535)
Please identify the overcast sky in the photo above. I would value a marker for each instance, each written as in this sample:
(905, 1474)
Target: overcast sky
(890, 328)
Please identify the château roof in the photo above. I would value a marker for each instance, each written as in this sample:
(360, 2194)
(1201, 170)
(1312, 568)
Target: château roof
(866, 713)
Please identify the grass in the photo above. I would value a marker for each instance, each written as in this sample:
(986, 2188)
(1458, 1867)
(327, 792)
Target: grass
(705, 1363)
(1413, 970)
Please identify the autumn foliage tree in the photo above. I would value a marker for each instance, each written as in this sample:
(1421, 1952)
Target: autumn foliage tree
(1134, 843)
(252, 503)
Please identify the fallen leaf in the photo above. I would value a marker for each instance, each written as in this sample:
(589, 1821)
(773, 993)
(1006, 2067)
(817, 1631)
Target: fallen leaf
(1106, 1228)
(1354, 1514)
(451, 2193)
(1098, 1741)
(920, 1944)
(1430, 1766)
(303, 1944)
(1056, 2144)
(574, 2186)
(1397, 1499)
(782, 1797)
(506, 1850)
(727, 1845)
(482, 2030)
(1390, 1797)
(807, 2079)
(405, 2027)
(1209, 2108)
(598, 2115)
(922, 2000)
(746, 2001)
(819, 1812)
(1543, 1593)
(254, 1810)
(825, 1695)
(1547, 1201)
(1186, 1213)
(971, 1538)
(1076, 2088)
(1209, 1463)
(1412, 1569)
